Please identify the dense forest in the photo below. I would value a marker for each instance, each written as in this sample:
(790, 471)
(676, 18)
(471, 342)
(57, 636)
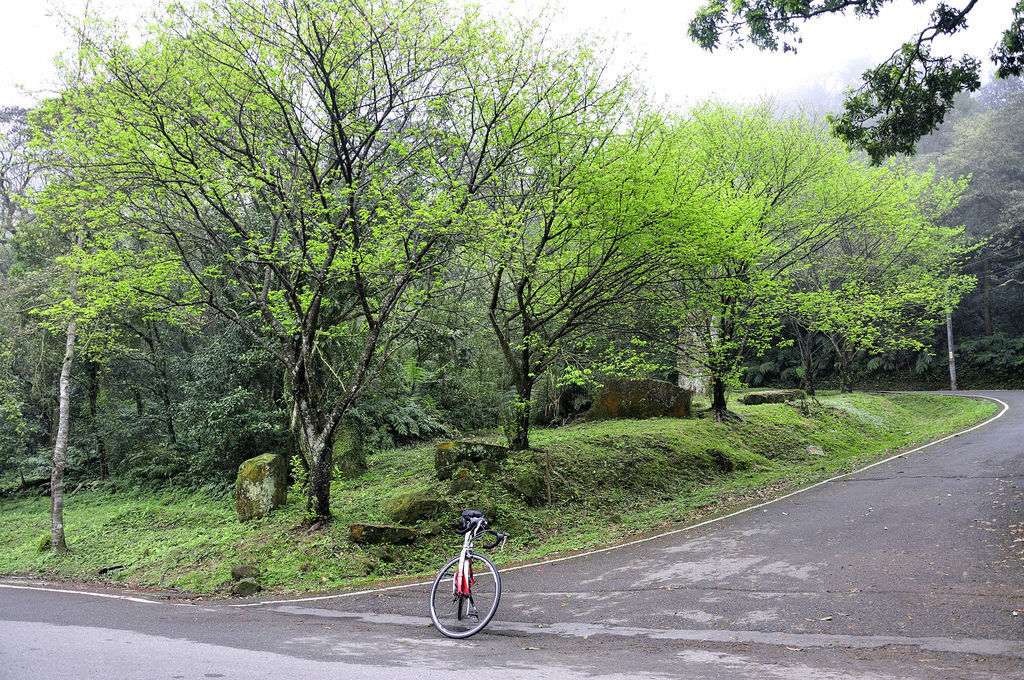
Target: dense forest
(275, 230)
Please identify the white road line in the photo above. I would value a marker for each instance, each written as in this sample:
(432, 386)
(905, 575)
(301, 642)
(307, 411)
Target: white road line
(318, 598)
(90, 593)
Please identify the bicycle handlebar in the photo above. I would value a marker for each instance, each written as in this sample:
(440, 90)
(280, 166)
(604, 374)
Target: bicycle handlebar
(498, 538)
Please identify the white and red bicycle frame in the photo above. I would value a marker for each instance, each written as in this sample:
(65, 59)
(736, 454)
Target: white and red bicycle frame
(462, 583)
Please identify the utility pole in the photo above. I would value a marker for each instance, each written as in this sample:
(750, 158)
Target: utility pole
(952, 356)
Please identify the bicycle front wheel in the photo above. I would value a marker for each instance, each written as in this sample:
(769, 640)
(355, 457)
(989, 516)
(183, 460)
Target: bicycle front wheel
(459, 616)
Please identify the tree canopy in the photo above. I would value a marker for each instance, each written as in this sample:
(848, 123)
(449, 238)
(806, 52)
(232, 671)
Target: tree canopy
(900, 100)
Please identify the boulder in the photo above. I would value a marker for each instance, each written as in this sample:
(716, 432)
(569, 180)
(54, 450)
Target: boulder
(409, 508)
(772, 397)
(381, 533)
(814, 450)
(261, 486)
(485, 458)
(245, 587)
(528, 483)
(240, 571)
(624, 398)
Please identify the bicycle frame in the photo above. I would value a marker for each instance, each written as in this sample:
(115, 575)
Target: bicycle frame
(463, 580)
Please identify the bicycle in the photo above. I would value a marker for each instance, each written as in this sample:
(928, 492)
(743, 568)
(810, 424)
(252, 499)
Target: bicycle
(466, 591)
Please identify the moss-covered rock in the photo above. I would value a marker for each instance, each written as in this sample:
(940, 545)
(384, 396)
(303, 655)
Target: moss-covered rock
(45, 542)
(261, 486)
(410, 508)
(245, 587)
(624, 398)
(529, 483)
(382, 533)
(462, 481)
(772, 397)
(722, 460)
(485, 458)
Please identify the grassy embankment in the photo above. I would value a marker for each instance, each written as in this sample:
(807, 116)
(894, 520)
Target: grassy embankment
(611, 481)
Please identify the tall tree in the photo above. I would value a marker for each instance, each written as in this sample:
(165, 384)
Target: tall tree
(777, 191)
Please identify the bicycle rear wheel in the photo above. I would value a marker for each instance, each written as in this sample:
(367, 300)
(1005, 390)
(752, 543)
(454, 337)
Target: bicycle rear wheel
(458, 616)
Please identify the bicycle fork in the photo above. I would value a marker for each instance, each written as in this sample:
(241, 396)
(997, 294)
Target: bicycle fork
(463, 585)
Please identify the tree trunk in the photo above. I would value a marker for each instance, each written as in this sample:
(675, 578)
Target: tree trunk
(60, 449)
(719, 404)
(318, 504)
(519, 418)
(316, 445)
(805, 343)
(690, 374)
(845, 373)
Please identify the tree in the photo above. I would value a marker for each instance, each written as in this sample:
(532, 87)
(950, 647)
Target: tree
(881, 285)
(990, 148)
(775, 192)
(900, 100)
(577, 221)
(314, 167)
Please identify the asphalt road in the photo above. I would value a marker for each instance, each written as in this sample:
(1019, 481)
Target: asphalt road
(910, 569)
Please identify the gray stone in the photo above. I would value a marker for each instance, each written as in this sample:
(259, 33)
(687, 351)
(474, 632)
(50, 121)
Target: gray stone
(240, 571)
(815, 450)
(409, 508)
(261, 486)
(381, 533)
(478, 456)
(624, 398)
(245, 587)
(772, 397)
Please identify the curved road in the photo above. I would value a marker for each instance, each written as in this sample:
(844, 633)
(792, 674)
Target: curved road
(910, 569)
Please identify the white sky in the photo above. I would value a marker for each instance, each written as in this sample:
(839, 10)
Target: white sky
(646, 34)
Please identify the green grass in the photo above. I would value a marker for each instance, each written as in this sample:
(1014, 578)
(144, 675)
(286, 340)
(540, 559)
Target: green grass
(610, 481)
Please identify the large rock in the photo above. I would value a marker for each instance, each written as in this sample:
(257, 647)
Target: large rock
(772, 397)
(409, 508)
(245, 587)
(381, 533)
(624, 398)
(484, 458)
(261, 486)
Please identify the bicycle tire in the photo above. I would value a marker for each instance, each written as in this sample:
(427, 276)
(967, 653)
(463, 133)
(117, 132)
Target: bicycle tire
(450, 614)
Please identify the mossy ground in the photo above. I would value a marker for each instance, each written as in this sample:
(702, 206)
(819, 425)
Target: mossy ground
(609, 481)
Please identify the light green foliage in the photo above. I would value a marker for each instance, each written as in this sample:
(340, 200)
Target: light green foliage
(772, 193)
(887, 282)
(312, 173)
